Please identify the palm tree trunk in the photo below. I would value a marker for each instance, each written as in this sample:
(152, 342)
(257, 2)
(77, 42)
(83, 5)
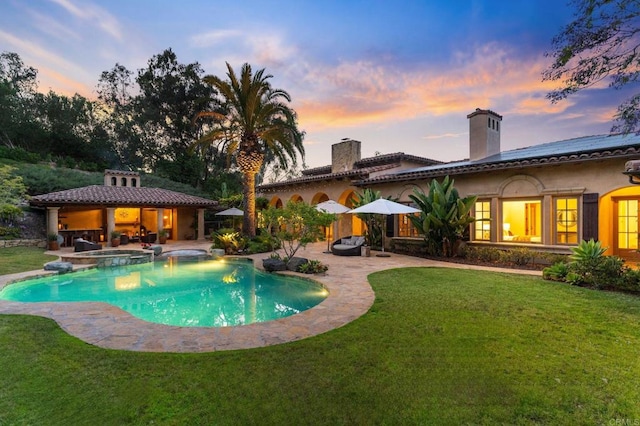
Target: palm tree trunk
(249, 198)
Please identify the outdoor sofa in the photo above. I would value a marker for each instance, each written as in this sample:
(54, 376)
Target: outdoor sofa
(83, 245)
(348, 246)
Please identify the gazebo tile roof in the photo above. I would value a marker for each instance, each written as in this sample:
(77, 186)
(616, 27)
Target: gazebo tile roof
(120, 195)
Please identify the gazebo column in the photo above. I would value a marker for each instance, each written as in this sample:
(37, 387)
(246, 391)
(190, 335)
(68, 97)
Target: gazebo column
(160, 220)
(200, 224)
(52, 220)
(111, 223)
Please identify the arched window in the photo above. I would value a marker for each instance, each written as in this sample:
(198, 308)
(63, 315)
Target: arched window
(114, 181)
(123, 181)
(134, 182)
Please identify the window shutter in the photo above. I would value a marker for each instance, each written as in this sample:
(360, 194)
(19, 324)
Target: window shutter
(590, 216)
(391, 225)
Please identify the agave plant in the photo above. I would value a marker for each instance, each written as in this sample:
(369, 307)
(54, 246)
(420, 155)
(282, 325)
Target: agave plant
(587, 251)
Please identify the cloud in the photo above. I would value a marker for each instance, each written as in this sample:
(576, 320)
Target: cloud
(51, 27)
(444, 136)
(48, 78)
(95, 15)
(266, 50)
(360, 92)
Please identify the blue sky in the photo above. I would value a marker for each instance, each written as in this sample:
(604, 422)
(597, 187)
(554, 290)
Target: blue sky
(398, 76)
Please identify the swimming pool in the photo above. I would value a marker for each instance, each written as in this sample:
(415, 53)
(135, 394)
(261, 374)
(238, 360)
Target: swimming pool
(212, 293)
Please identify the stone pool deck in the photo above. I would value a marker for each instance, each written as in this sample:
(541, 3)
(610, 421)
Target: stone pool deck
(350, 296)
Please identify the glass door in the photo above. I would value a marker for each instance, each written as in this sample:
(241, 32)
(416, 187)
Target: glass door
(626, 233)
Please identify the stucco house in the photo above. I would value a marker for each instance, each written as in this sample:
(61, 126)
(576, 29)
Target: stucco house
(549, 196)
(123, 205)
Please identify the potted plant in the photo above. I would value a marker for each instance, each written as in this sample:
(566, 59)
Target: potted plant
(115, 238)
(52, 241)
(162, 236)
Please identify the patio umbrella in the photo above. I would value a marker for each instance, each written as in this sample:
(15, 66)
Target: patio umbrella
(331, 207)
(231, 212)
(385, 207)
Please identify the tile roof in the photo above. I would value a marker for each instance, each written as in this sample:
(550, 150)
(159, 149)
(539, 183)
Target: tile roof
(357, 173)
(362, 169)
(567, 151)
(122, 196)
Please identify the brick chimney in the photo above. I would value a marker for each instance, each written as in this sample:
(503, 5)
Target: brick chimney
(484, 134)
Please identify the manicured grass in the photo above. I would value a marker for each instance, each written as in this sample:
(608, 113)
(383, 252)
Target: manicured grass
(439, 346)
(21, 259)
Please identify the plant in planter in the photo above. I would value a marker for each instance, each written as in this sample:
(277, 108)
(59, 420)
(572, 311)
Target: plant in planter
(115, 238)
(52, 241)
(163, 234)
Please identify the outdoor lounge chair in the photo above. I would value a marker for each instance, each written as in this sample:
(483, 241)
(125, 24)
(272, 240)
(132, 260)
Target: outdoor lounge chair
(83, 245)
(150, 238)
(348, 246)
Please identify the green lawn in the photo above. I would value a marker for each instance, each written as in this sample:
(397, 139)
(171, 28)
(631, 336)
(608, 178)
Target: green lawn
(439, 346)
(21, 259)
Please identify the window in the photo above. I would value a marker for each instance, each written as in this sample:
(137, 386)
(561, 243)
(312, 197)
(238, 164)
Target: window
(405, 226)
(114, 181)
(482, 230)
(123, 181)
(134, 182)
(522, 221)
(566, 214)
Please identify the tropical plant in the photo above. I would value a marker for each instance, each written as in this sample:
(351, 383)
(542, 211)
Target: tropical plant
(229, 240)
(445, 217)
(373, 222)
(254, 123)
(295, 225)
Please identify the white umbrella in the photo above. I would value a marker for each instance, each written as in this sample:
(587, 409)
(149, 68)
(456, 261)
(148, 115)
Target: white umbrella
(385, 207)
(331, 207)
(231, 212)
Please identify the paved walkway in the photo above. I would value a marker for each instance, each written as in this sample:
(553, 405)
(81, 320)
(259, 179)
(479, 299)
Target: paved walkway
(107, 326)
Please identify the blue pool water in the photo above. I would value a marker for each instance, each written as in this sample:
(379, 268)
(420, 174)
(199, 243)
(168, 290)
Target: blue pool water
(212, 293)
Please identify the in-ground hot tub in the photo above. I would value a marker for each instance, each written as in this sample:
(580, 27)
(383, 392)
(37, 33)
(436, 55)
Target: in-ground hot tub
(185, 254)
(106, 258)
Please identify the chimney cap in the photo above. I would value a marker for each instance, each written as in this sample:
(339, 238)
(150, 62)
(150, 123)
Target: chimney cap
(479, 111)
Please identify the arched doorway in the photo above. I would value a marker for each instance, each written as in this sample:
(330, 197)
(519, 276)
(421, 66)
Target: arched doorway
(320, 197)
(349, 224)
(276, 202)
(296, 198)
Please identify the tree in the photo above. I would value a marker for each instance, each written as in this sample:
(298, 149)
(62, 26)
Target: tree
(601, 43)
(17, 90)
(374, 222)
(254, 123)
(445, 217)
(296, 225)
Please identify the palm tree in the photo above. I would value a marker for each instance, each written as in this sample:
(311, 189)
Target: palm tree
(254, 123)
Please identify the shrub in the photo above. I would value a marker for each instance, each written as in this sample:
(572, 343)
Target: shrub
(630, 281)
(556, 272)
(484, 254)
(313, 267)
(9, 233)
(520, 256)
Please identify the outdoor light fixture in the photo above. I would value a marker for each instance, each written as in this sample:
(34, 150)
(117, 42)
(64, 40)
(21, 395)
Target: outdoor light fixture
(632, 169)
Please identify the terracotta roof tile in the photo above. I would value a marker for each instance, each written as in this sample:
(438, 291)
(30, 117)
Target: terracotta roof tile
(120, 195)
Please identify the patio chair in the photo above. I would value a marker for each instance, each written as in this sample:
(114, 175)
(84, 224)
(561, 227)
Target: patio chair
(150, 238)
(348, 246)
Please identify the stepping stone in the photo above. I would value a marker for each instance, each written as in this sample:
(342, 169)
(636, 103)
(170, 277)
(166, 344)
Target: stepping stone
(61, 267)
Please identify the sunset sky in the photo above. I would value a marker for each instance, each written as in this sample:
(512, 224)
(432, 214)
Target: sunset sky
(398, 76)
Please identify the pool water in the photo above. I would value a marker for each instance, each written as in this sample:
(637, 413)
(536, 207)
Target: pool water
(212, 293)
